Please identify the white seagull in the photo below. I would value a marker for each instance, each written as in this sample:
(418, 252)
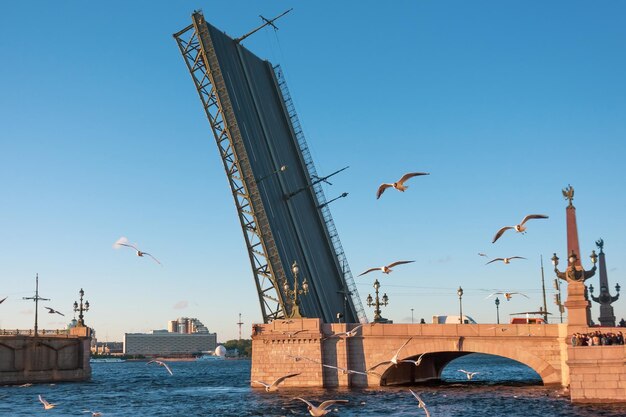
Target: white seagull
(420, 403)
(518, 227)
(292, 333)
(469, 375)
(398, 185)
(93, 413)
(344, 371)
(507, 295)
(505, 260)
(386, 268)
(274, 385)
(53, 311)
(394, 359)
(349, 333)
(416, 362)
(46, 404)
(124, 242)
(321, 410)
(163, 364)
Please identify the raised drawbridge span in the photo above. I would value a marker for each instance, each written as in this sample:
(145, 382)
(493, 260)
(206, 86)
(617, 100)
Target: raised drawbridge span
(281, 206)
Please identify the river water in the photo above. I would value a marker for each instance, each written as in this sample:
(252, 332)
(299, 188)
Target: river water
(222, 388)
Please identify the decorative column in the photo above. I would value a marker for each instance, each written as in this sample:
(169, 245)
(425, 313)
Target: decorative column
(577, 303)
(607, 317)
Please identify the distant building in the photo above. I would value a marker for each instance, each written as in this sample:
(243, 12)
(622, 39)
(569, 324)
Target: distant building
(107, 348)
(166, 343)
(184, 336)
(188, 325)
(172, 326)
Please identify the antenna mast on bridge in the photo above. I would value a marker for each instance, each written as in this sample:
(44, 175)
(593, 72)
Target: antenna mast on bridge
(239, 323)
(36, 298)
(267, 22)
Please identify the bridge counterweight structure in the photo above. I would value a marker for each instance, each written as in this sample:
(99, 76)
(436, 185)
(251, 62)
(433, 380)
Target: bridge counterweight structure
(284, 217)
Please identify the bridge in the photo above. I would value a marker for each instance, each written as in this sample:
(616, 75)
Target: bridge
(288, 228)
(305, 346)
(540, 347)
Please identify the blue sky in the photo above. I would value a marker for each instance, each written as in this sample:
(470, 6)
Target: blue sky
(504, 103)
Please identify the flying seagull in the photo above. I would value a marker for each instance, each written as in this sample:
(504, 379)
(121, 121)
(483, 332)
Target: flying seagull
(518, 227)
(507, 295)
(2, 301)
(163, 364)
(292, 333)
(53, 311)
(46, 404)
(349, 333)
(415, 362)
(469, 375)
(274, 385)
(344, 371)
(398, 185)
(322, 409)
(482, 254)
(394, 359)
(505, 260)
(124, 242)
(386, 268)
(420, 403)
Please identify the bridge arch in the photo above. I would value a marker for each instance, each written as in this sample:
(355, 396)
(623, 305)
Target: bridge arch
(438, 353)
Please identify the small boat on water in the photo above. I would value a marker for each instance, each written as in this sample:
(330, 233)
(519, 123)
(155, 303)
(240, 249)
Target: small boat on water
(218, 354)
(108, 360)
(204, 358)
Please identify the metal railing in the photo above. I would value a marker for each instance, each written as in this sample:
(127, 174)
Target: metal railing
(31, 332)
(319, 195)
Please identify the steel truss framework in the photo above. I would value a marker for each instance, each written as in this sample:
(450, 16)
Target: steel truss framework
(196, 48)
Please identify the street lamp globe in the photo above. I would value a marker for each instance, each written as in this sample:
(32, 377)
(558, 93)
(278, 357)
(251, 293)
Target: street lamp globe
(294, 268)
(555, 260)
(594, 257)
(460, 292)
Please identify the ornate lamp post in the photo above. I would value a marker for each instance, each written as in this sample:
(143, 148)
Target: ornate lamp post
(498, 309)
(572, 273)
(377, 302)
(282, 168)
(575, 276)
(460, 294)
(80, 308)
(293, 294)
(605, 299)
